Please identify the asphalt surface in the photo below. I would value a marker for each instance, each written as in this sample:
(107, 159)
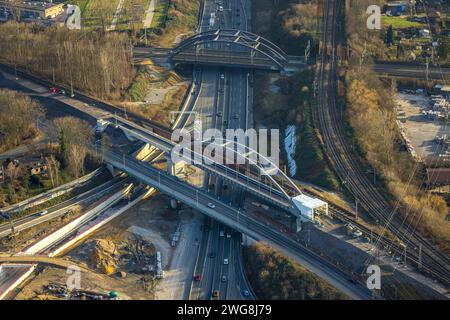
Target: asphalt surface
(62, 208)
(222, 104)
(230, 215)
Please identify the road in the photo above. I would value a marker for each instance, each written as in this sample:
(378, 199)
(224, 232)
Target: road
(42, 259)
(346, 163)
(315, 264)
(63, 208)
(234, 217)
(221, 107)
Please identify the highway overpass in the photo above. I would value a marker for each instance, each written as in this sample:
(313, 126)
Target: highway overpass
(226, 48)
(233, 217)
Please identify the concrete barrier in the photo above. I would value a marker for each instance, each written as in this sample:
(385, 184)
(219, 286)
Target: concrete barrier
(5, 291)
(98, 223)
(59, 234)
(44, 197)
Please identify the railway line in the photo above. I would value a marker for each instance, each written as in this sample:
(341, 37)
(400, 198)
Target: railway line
(349, 169)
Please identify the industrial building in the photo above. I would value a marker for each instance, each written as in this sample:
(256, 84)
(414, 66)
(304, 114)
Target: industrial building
(32, 9)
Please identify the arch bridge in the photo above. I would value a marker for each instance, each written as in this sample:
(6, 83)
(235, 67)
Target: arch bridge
(232, 48)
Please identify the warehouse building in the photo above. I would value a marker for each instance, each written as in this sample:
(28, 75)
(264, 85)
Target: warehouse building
(32, 9)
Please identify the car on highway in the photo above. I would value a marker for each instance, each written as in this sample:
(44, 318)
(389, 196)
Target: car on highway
(224, 278)
(212, 206)
(222, 76)
(225, 261)
(212, 255)
(5, 216)
(197, 277)
(236, 116)
(245, 293)
(225, 123)
(42, 213)
(222, 233)
(216, 294)
(221, 8)
(219, 114)
(228, 235)
(357, 233)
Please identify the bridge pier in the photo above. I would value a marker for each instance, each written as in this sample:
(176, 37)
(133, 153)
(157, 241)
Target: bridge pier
(247, 240)
(144, 152)
(170, 165)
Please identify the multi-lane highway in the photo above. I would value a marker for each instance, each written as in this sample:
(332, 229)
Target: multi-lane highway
(230, 215)
(214, 103)
(63, 208)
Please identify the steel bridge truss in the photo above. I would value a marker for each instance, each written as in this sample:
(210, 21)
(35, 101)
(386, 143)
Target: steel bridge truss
(253, 44)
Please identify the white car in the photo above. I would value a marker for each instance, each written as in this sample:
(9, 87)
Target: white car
(225, 261)
(212, 206)
(42, 213)
(357, 233)
(222, 76)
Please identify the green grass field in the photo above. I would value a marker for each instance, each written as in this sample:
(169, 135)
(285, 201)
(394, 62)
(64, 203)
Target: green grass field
(399, 23)
(160, 16)
(94, 13)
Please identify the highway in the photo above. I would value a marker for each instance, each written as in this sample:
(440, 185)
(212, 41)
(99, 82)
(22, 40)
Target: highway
(234, 217)
(347, 165)
(229, 99)
(169, 186)
(62, 208)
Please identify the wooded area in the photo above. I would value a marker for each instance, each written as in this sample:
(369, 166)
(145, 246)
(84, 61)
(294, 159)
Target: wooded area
(96, 63)
(299, 21)
(18, 119)
(274, 276)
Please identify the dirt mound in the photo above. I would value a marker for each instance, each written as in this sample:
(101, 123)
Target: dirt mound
(103, 256)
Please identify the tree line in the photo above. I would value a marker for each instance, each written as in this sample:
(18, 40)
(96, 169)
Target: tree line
(274, 276)
(96, 63)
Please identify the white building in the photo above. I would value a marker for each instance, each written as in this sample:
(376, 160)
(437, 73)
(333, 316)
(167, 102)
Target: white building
(310, 208)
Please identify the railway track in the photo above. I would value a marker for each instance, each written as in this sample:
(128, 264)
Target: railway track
(155, 126)
(341, 214)
(349, 169)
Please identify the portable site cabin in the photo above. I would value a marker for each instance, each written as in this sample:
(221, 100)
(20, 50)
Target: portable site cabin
(310, 208)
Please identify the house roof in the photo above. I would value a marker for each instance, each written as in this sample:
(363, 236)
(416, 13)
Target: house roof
(438, 175)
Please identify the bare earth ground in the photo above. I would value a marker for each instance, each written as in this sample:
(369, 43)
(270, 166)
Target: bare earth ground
(125, 249)
(89, 281)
